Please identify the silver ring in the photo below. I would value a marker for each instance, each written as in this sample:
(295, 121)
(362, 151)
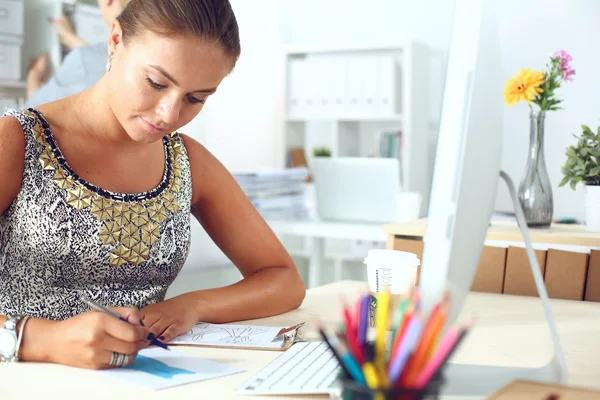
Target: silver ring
(125, 360)
(113, 355)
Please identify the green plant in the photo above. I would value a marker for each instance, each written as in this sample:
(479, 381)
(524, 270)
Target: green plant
(321, 152)
(583, 160)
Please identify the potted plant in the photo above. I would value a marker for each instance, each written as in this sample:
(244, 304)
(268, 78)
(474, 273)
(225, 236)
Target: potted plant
(322, 152)
(583, 165)
(538, 89)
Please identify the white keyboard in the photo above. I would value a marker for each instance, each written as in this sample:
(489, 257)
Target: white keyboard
(305, 368)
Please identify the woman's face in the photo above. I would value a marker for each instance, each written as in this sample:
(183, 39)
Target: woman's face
(158, 83)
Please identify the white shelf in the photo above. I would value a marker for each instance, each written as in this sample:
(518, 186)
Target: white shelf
(365, 47)
(346, 98)
(390, 118)
(12, 84)
(13, 89)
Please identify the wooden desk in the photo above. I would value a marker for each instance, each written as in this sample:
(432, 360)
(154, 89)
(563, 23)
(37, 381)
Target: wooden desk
(557, 234)
(569, 258)
(511, 331)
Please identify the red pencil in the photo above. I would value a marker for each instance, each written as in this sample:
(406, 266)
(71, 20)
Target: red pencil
(351, 335)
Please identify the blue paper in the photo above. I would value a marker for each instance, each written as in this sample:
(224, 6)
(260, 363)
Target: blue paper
(156, 367)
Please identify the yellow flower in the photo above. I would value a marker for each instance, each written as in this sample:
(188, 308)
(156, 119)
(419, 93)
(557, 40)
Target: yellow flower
(525, 85)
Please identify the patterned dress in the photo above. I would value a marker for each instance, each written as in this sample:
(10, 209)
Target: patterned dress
(63, 237)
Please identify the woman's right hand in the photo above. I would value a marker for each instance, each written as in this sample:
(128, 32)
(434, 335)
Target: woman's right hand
(88, 340)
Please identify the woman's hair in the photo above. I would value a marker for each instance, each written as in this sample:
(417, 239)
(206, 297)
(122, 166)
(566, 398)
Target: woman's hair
(211, 20)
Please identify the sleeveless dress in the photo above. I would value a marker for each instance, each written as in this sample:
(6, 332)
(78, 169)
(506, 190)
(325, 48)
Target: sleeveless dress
(63, 238)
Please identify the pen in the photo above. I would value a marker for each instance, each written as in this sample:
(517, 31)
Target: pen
(98, 307)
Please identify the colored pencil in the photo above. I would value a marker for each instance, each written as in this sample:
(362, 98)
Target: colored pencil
(407, 344)
(447, 346)
(350, 332)
(345, 356)
(420, 356)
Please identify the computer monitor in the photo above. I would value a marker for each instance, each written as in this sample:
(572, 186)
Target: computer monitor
(357, 189)
(466, 173)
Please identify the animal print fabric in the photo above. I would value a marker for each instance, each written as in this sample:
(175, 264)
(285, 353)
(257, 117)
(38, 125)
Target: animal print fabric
(63, 238)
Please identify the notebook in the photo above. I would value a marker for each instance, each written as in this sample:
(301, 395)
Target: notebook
(240, 336)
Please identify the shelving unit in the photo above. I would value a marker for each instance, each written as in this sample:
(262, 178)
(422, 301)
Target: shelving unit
(344, 98)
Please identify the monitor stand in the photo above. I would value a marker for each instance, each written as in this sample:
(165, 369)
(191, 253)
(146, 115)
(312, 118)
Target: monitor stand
(481, 380)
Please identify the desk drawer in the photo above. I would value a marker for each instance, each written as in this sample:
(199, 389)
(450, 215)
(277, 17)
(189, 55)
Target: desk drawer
(11, 17)
(10, 61)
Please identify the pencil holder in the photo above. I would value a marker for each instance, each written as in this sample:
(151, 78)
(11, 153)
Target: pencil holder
(351, 390)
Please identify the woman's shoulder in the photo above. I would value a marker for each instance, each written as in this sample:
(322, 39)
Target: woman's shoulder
(206, 169)
(12, 156)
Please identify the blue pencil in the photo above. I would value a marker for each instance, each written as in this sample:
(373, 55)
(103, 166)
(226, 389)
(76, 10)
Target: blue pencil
(346, 357)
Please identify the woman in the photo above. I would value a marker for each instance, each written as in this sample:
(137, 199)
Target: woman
(82, 67)
(97, 194)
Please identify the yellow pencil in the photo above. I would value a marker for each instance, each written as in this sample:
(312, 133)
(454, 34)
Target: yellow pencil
(381, 320)
(371, 375)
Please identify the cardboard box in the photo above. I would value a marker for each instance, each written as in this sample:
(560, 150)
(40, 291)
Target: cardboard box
(528, 390)
(410, 245)
(489, 277)
(518, 279)
(566, 273)
(592, 287)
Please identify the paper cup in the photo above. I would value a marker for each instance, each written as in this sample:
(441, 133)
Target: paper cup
(391, 270)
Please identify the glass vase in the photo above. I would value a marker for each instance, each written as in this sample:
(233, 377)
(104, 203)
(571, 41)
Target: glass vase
(535, 190)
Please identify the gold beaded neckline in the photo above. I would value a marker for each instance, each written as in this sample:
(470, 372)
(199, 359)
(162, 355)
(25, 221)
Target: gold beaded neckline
(130, 223)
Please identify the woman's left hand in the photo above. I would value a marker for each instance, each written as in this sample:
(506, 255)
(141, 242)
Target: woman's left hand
(171, 318)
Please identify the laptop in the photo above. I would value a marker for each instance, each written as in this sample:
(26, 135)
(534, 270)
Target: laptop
(357, 189)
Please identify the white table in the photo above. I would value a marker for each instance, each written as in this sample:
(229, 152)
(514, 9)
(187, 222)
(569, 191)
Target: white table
(318, 231)
(510, 331)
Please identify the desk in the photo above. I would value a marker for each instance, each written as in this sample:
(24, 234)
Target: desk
(318, 231)
(568, 255)
(511, 330)
(506, 231)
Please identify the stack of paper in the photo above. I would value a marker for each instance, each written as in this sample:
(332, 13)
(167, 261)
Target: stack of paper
(276, 193)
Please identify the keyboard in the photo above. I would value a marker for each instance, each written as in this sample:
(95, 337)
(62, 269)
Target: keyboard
(305, 368)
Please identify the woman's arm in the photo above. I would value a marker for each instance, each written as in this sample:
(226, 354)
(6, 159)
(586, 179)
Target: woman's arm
(271, 283)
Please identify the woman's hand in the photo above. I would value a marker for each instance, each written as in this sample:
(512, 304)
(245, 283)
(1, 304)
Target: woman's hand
(37, 72)
(66, 33)
(88, 340)
(171, 318)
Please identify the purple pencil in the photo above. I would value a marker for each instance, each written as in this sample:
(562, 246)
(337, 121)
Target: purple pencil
(363, 321)
(405, 348)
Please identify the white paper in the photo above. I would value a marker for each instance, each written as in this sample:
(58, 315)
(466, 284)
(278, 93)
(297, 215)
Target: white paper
(224, 335)
(157, 368)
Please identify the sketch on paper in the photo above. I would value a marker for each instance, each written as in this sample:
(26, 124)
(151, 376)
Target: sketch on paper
(228, 334)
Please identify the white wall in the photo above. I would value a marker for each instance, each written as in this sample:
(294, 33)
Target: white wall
(530, 31)
(240, 123)
(529, 36)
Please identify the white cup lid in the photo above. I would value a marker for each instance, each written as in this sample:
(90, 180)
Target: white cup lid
(391, 257)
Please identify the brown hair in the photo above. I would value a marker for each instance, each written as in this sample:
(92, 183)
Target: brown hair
(207, 19)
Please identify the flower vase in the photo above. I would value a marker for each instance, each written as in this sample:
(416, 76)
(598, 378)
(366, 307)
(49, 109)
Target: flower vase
(535, 190)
